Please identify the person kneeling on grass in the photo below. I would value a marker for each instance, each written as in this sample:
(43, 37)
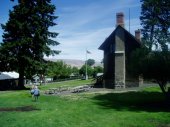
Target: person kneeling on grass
(36, 93)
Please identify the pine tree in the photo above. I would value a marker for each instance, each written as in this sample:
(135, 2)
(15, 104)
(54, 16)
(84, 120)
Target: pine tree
(152, 60)
(155, 19)
(26, 37)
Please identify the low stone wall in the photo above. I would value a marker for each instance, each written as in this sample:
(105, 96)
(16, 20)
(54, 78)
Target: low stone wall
(132, 83)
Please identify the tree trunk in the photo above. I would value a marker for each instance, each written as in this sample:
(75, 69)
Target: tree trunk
(164, 91)
(21, 80)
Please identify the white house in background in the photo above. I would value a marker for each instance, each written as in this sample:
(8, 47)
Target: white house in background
(9, 75)
(40, 80)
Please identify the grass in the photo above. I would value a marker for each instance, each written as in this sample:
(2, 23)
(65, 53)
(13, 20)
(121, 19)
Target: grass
(71, 83)
(145, 108)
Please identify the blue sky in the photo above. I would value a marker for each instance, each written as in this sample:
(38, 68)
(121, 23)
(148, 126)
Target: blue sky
(84, 24)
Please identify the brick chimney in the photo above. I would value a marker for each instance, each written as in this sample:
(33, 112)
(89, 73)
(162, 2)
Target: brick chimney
(137, 34)
(120, 19)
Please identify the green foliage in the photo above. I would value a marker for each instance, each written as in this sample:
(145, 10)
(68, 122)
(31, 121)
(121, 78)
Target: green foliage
(157, 66)
(91, 71)
(75, 71)
(26, 37)
(90, 62)
(153, 63)
(58, 70)
(97, 69)
(136, 62)
(155, 19)
(82, 70)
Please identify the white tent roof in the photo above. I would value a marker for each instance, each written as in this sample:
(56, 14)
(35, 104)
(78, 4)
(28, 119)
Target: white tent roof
(99, 74)
(8, 75)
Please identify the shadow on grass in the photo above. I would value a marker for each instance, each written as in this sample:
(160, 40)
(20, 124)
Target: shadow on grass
(19, 109)
(133, 101)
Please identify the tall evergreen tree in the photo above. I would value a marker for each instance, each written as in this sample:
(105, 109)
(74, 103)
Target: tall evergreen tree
(26, 37)
(155, 19)
(152, 60)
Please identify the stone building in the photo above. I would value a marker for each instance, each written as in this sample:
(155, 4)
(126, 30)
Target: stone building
(117, 48)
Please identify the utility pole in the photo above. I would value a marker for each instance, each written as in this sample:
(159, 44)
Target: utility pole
(86, 66)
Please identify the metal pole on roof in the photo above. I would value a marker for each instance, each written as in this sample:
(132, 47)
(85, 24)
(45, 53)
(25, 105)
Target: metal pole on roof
(129, 20)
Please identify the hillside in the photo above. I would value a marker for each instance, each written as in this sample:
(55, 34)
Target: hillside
(74, 63)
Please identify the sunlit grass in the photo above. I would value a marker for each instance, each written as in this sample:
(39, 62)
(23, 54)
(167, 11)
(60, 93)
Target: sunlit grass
(145, 108)
(71, 83)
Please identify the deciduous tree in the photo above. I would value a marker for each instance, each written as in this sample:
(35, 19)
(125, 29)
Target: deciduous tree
(83, 70)
(90, 62)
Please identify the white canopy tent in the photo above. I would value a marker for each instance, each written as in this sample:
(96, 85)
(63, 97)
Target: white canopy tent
(8, 75)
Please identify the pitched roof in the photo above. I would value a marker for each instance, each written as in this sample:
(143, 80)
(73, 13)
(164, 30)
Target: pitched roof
(111, 37)
(8, 75)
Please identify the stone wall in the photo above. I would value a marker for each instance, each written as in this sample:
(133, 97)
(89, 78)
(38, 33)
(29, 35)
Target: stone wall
(119, 59)
(109, 70)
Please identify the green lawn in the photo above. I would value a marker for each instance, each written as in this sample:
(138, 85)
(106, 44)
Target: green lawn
(145, 108)
(71, 83)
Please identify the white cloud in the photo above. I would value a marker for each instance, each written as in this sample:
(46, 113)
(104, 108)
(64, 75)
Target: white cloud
(75, 46)
(82, 27)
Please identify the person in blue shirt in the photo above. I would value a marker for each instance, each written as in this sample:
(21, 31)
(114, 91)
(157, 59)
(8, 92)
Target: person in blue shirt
(36, 93)
(32, 91)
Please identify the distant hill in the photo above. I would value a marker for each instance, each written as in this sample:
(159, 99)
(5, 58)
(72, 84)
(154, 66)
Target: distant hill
(73, 63)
